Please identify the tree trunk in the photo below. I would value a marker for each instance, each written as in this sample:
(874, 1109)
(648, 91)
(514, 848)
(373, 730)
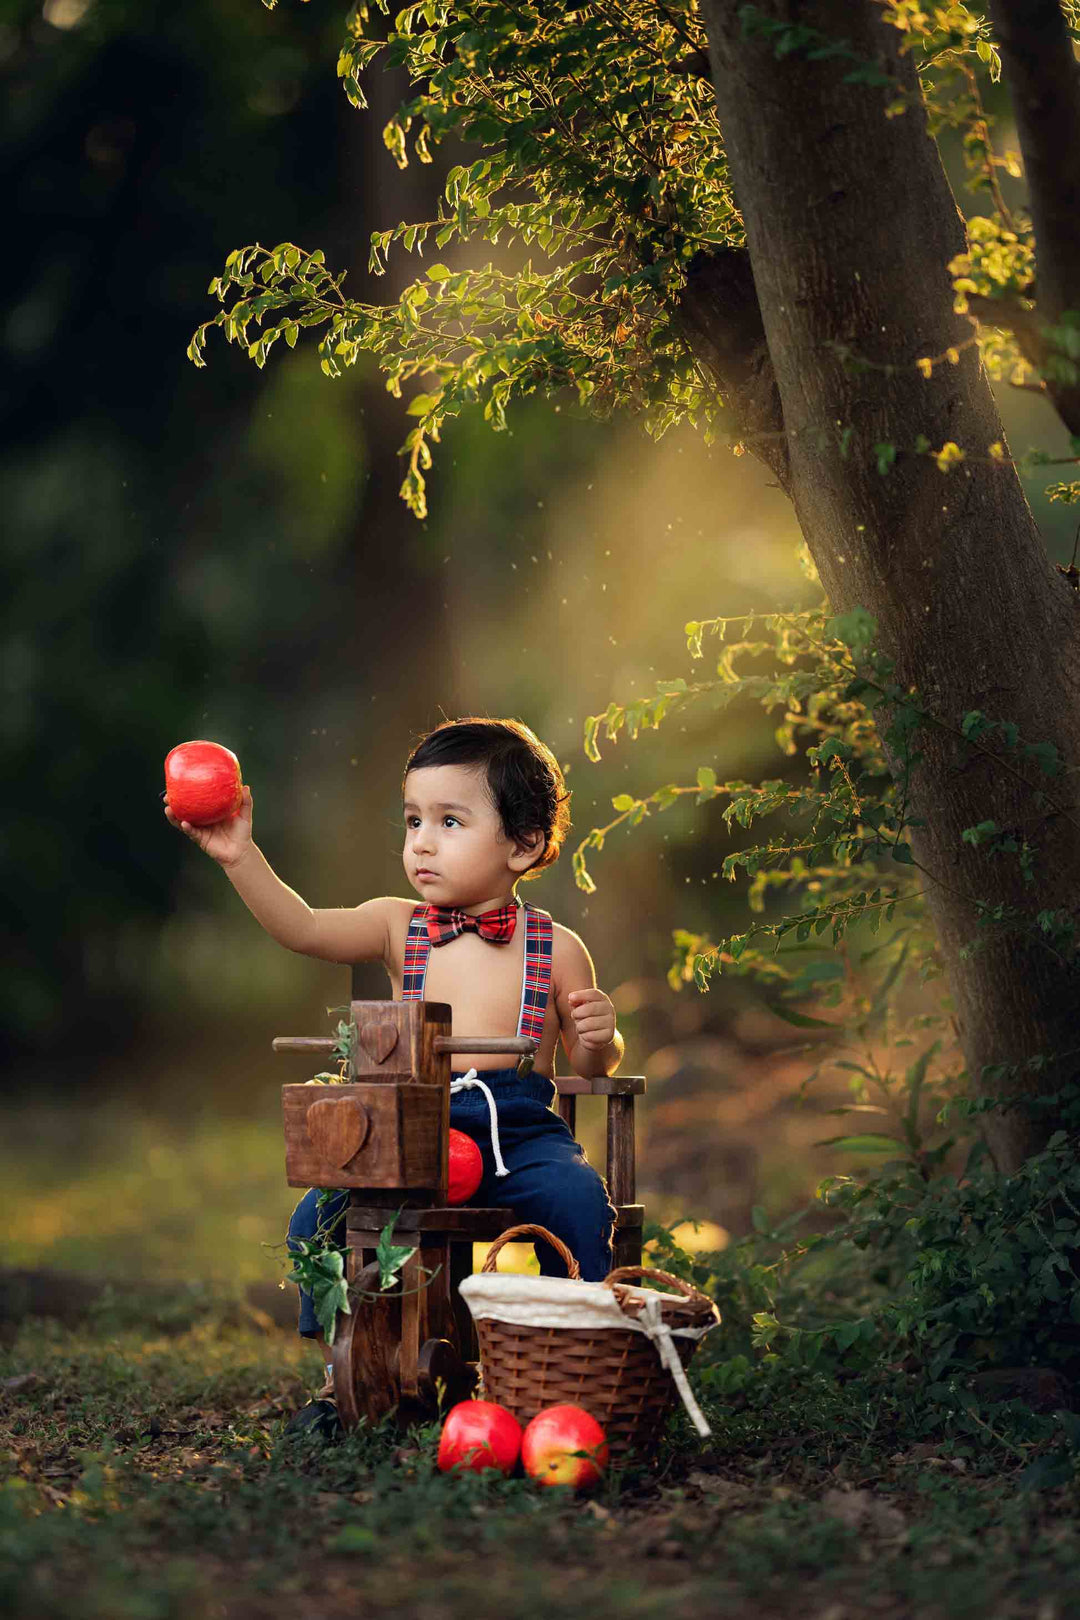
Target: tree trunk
(850, 224)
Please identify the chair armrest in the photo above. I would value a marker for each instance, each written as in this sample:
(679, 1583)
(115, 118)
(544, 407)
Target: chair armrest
(604, 1085)
(620, 1091)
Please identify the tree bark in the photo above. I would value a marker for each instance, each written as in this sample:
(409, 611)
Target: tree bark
(1043, 79)
(850, 225)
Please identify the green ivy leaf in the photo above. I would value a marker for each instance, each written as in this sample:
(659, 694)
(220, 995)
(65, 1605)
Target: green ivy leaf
(390, 1256)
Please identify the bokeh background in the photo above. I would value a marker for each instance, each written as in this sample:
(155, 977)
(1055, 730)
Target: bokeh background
(223, 554)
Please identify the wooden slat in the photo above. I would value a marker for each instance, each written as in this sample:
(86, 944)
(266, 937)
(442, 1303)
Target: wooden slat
(627, 1246)
(605, 1085)
(456, 1221)
(620, 1149)
(461, 1265)
(457, 1218)
(568, 1112)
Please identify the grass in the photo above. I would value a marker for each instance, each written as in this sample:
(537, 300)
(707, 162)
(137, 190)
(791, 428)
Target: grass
(148, 1478)
(123, 1194)
(145, 1475)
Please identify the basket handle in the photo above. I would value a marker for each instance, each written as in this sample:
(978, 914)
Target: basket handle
(688, 1291)
(511, 1235)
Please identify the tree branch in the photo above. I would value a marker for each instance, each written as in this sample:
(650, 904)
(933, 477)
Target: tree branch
(1044, 83)
(722, 322)
(1041, 72)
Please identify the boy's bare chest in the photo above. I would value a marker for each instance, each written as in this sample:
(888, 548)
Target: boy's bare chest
(482, 982)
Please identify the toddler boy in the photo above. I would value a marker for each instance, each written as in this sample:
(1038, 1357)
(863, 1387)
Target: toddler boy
(485, 808)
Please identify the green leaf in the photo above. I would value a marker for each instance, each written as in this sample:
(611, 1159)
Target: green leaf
(871, 1142)
(390, 1256)
(856, 629)
(439, 272)
(914, 1079)
(623, 802)
(1058, 1468)
(321, 1273)
(886, 455)
(801, 1020)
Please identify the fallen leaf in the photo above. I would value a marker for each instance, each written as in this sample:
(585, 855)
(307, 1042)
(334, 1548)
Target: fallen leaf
(727, 1493)
(861, 1510)
(21, 1383)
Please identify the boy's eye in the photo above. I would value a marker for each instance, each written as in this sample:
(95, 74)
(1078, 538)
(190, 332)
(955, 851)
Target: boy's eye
(452, 819)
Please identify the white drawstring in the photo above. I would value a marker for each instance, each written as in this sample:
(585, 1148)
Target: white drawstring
(466, 1082)
(655, 1328)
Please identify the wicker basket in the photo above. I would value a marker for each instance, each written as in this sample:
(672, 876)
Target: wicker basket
(615, 1373)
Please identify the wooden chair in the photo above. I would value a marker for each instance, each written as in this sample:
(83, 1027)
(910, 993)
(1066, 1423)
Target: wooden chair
(383, 1135)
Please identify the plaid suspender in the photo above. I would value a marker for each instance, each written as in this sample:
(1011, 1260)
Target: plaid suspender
(536, 977)
(417, 947)
(536, 980)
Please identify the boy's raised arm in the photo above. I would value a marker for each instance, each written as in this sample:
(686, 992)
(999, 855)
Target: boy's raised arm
(341, 934)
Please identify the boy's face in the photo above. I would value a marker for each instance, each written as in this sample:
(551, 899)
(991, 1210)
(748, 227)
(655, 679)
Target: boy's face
(456, 853)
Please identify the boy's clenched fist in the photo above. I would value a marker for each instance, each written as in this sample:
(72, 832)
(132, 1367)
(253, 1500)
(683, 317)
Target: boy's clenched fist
(594, 1018)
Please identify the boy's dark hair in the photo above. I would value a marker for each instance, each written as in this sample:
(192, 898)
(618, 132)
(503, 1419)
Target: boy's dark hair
(523, 777)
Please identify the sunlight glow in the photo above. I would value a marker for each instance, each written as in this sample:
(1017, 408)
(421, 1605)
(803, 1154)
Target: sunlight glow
(65, 13)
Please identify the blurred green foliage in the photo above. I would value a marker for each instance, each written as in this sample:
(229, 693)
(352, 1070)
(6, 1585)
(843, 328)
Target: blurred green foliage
(151, 524)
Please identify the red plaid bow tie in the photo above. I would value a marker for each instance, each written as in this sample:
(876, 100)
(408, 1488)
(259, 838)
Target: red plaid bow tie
(445, 923)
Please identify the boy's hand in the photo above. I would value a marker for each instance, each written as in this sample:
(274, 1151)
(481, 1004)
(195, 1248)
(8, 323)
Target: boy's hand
(594, 1018)
(223, 841)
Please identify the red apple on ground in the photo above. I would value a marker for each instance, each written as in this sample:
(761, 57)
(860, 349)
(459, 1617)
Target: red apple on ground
(551, 1440)
(203, 783)
(478, 1435)
(466, 1168)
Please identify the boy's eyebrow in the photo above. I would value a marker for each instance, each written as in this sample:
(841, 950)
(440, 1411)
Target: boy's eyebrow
(409, 805)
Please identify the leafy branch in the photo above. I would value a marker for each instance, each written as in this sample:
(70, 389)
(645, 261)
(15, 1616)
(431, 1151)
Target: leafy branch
(320, 1268)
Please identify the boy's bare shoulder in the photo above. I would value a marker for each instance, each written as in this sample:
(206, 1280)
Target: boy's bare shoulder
(398, 915)
(396, 911)
(570, 959)
(395, 905)
(388, 908)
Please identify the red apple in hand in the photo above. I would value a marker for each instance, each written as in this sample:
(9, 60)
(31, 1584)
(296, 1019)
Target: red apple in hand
(203, 783)
(478, 1435)
(466, 1168)
(551, 1440)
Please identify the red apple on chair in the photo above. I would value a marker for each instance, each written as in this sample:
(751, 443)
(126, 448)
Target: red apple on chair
(203, 783)
(466, 1168)
(479, 1435)
(552, 1440)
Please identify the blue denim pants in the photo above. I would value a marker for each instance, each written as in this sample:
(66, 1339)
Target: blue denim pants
(550, 1182)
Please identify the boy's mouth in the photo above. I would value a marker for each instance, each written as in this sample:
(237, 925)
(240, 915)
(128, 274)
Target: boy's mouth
(425, 871)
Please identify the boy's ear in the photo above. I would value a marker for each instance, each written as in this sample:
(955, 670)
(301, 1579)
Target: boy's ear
(527, 851)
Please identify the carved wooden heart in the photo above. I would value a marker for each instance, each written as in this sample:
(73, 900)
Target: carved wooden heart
(337, 1128)
(378, 1040)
